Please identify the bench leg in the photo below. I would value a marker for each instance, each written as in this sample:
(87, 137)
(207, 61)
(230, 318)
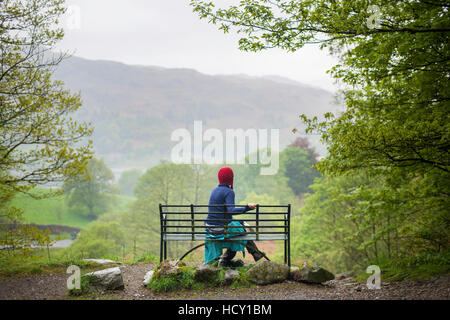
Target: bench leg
(165, 250)
(289, 251)
(285, 252)
(161, 250)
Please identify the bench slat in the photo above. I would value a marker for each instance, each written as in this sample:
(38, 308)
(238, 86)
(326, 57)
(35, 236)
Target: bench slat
(201, 237)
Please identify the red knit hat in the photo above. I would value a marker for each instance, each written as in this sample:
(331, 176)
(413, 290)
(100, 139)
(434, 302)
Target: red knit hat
(226, 176)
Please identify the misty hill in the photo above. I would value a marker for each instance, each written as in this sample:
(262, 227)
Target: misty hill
(135, 108)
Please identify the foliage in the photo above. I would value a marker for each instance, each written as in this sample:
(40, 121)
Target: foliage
(90, 192)
(39, 142)
(388, 162)
(165, 183)
(352, 221)
(47, 210)
(127, 181)
(248, 179)
(85, 287)
(183, 280)
(37, 262)
(296, 165)
(16, 237)
(242, 280)
(98, 240)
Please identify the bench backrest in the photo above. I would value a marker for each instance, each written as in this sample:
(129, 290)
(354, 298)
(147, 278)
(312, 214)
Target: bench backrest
(190, 219)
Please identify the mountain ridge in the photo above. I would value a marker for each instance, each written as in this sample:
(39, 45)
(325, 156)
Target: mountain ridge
(135, 108)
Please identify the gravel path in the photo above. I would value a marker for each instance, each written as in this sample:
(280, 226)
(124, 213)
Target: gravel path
(53, 286)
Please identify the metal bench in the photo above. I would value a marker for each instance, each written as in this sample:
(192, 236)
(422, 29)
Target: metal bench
(186, 223)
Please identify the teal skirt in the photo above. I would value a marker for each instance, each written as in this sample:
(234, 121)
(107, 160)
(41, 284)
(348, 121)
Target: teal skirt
(214, 250)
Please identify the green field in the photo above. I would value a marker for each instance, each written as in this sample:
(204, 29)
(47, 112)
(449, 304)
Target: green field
(55, 210)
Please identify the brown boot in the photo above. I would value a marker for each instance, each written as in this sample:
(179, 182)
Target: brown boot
(254, 251)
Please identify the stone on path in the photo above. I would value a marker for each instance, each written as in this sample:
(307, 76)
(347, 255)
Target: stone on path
(292, 270)
(148, 276)
(205, 273)
(267, 272)
(231, 275)
(168, 267)
(312, 274)
(342, 276)
(106, 279)
(103, 261)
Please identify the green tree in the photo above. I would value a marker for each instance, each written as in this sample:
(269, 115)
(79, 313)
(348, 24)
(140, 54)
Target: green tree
(296, 164)
(91, 192)
(166, 183)
(249, 180)
(38, 138)
(98, 240)
(394, 70)
(127, 181)
(39, 141)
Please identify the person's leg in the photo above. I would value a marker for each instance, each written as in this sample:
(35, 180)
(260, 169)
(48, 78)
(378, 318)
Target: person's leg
(229, 255)
(254, 251)
(252, 248)
(225, 259)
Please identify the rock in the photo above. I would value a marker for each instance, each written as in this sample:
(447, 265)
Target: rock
(312, 274)
(292, 270)
(106, 279)
(267, 272)
(103, 261)
(148, 276)
(205, 273)
(231, 275)
(342, 276)
(168, 267)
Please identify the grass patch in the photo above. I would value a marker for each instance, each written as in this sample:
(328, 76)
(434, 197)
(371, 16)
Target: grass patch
(186, 280)
(183, 280)
(85, 287)
(242, 280)
(420, 267)
(38, 262)
(54, 210)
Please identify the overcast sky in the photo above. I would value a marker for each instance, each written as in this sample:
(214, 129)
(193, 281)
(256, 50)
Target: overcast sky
(167, 33)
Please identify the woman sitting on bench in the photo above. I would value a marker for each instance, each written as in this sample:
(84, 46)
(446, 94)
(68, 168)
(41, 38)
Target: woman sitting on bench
(224, 194)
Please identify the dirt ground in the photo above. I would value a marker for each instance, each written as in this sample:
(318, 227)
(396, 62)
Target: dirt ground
(53, 286)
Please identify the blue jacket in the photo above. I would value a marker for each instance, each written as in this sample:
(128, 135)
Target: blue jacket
(223, 194)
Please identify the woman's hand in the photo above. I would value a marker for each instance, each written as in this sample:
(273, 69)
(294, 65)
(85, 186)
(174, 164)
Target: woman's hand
(251, 205)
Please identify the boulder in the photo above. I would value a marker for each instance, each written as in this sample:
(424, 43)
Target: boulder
(102, 261)
(168, 267)
(292, 270)
(106, 279)
(231, 275)
(205, 273)
(312, 274)
(148, 276)
(342, 276)
(267, 272)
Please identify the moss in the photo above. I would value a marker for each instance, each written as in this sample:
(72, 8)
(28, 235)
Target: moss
(186, 280)
(85, 286)
(183, 280)
(242, 280)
